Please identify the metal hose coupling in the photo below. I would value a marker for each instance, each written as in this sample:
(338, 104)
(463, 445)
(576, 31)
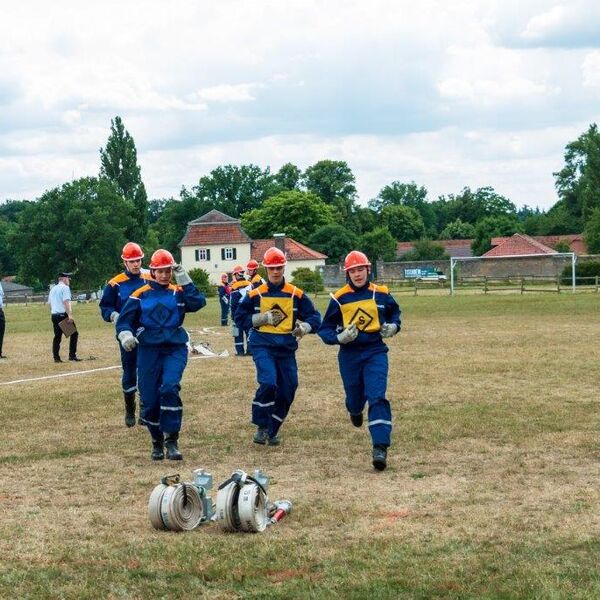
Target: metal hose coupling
(181, 506)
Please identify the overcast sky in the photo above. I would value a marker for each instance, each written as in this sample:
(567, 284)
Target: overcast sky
(444, 93)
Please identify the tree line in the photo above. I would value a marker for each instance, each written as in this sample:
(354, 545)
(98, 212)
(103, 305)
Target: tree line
(83, 224)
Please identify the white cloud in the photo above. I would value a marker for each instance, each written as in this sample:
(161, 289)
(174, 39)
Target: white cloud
(227, 93)
(590, 69)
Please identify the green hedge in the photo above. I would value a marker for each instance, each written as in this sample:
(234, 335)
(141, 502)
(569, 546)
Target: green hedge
(582, 270)
(201, 281)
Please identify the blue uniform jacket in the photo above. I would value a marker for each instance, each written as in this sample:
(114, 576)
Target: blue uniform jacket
(154, 313)
(238, 292)
(256, 280)
(303, 309)
(222, 290)
(387, 310)
(117, 291)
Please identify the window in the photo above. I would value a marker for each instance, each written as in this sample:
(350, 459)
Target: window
(228, 253)
(202, 254)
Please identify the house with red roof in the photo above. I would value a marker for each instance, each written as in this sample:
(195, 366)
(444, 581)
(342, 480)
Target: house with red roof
(575, 241)
(519, 244)
(216, 243)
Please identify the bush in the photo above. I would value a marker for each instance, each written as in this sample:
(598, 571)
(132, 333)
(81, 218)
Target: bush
(201, 281)
(308, 280)
(582, 269)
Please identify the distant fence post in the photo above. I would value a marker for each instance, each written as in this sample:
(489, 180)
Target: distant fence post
(558, 283)
(416, 286)
(522, 285)
(485, 285)
(596, 284)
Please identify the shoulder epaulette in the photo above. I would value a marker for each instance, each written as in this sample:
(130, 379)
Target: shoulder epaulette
(263, 288)
(146, 276)
(345, 290)
(137, 293)
(175, 288)
(379, 288)
(288, 288)
(239, 284)
(117, 279)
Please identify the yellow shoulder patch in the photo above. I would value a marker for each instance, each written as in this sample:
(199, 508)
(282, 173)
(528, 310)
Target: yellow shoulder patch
(379, 288)
(137, 293)
(288, 288)
(175, 288)
(120, 278)
(345, 290)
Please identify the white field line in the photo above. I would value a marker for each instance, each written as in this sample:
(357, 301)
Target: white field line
(74, 373)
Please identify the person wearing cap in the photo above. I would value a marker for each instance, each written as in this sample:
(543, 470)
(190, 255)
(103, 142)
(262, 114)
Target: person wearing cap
(115, 294)
(358, 317)
(2, 320)
(278, 314)
(152, 320)
(61, 308)
(253, 276)
(224, 291)
(239, 288)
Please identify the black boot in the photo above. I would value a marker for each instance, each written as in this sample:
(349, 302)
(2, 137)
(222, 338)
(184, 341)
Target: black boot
(158, 452)
(171, 445)
(380, 457)
(129, 408)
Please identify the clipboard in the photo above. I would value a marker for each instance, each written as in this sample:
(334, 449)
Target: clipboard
(67, 327)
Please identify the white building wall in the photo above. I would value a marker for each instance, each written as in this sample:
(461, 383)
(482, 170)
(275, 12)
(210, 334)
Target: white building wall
(216, 265)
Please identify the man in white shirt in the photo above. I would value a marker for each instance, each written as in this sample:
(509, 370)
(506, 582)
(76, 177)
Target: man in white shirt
(60, 309)
(2, 320)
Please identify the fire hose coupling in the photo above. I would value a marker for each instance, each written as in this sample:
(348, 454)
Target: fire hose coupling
(181, 506)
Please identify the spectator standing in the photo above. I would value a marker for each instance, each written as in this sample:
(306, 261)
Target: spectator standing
(61, 308)
(224, 292)
(239, 288)
(2, 320)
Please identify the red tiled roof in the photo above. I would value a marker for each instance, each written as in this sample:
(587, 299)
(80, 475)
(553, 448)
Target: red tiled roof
(294, 250)
(575, 240)
(214, 216)
(519, 244)
(205, 234)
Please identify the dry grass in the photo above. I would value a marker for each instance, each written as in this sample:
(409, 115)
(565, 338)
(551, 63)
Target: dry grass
(491, 492)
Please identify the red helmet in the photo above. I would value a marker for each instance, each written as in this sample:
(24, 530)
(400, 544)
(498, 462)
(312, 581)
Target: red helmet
(132, 251)
(162, 259)
(252, 265)
(238, 269)
(356, 259)
(224, 277)
(274, 257)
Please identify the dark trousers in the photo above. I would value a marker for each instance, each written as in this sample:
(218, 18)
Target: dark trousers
(56, 319)
(2, 328)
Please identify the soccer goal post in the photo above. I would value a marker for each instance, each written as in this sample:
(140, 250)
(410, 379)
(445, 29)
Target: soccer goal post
(521, 265)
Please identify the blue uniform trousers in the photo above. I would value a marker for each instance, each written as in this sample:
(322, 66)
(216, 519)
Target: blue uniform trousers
(129, 377)
(160, 369)
(238, 342)
(277, 377)
(364, 375)
(224, 311)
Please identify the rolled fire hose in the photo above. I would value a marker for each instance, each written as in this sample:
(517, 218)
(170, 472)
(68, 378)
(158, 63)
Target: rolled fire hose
(175, 507)
(242, 504)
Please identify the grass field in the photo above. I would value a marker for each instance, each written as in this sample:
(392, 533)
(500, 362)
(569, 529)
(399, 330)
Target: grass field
(492, 489)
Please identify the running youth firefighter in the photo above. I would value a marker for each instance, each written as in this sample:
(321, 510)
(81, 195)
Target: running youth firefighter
(279, 314)
(152, 317)
(224, 291)
(359, 315)
(239, 289)
(252, 271)
(114, 296)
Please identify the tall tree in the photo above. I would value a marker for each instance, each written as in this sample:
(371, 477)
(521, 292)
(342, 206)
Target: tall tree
(118, 162)
(288, 177)
(334, 240)
(333, 181)
(457, 230)
(79, 226)
(234, 190)
(578, 182)
(404, 223)
(489, 227)
(378, 244)
(591, 233)
(297, 214)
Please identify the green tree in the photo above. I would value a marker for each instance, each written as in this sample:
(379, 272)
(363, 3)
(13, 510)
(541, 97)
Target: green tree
(297, 214)
(234, 190)
(288, 178)
(334, 240)
(404, 223)
(578, 182)
(201, 280)
(156, 207)
(118, 162)
(425, 250)
(308, 280)
(591, 233)
(333, 181)
(362, 219)
(378, 244)
(79, 226)
(490, 227)
(8, 264)
(457, 230)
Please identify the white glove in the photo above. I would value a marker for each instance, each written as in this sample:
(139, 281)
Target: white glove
(348, 335)
(271, 317)
(114, 315)
(128, 341)
(388, 330)
(301, 329)
(234, 330)
(181, 276)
